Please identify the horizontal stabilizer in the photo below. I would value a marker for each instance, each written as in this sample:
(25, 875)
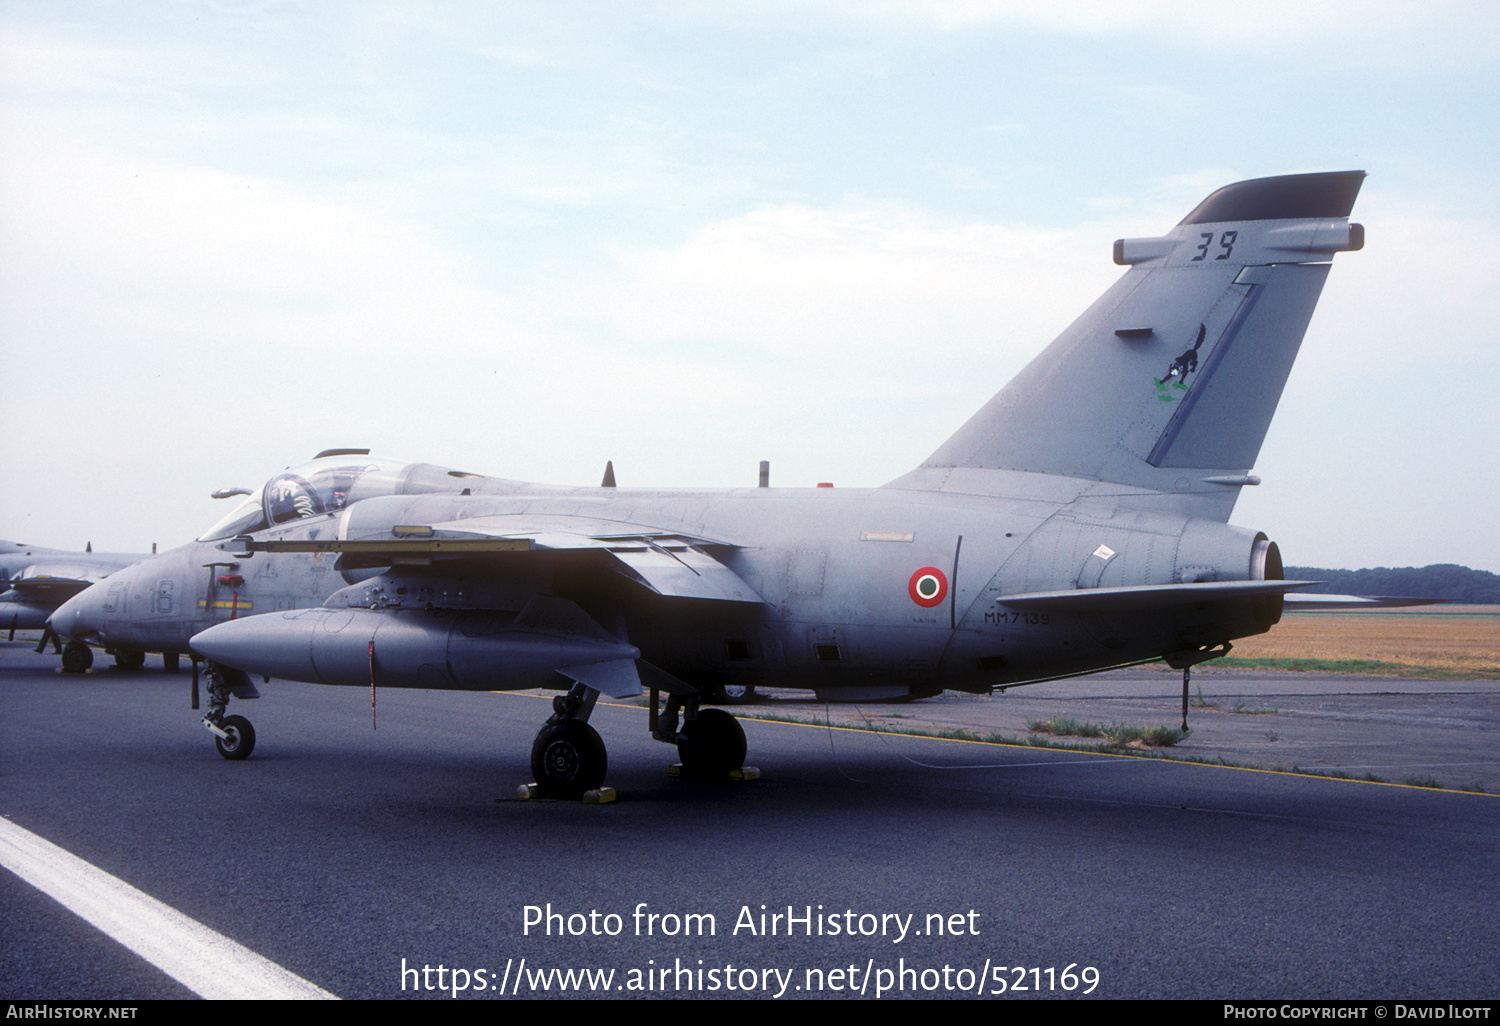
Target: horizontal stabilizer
(1308, 603)
(1150, 596)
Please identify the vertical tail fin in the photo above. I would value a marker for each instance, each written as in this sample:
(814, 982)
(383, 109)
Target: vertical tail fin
(1169, 381)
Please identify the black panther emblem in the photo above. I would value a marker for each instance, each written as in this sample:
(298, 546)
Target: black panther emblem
(1171, 385)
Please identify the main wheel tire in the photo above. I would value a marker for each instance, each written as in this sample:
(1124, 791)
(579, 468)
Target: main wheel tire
(712, 744)
(735, 694)
(569, 758)
(129, 659)
(241, 740)
(77, 657)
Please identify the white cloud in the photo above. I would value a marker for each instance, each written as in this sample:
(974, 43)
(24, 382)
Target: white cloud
(860, 282)
(1390, 33)
(523, 244)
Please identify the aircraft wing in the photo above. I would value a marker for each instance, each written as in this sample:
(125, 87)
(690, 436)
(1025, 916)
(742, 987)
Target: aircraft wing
(48, 591)
(667, 563)
(52, 584)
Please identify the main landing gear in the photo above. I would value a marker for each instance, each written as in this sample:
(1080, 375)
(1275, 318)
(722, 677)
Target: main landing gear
(233, 735)
(79, 658)
(569, 761)
(568, 757)
(128, 658)
(731, 694)
(711, 743)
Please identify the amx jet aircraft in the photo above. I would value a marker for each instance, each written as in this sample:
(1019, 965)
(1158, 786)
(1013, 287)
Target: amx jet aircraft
(1077, 522)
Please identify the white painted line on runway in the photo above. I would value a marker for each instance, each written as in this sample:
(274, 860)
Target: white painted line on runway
(207, 963)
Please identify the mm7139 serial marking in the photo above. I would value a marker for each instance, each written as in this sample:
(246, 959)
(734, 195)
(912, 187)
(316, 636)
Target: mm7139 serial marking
(1005, 616)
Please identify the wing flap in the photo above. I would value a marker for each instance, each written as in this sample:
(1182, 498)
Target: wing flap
(683, 572)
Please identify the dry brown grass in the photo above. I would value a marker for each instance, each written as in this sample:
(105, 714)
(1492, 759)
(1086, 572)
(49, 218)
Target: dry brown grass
(1451, 637)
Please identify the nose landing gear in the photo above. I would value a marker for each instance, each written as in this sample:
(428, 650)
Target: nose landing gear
(234, 737)
(77, 657)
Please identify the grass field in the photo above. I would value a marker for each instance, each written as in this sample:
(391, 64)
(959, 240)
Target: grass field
(1426, 641)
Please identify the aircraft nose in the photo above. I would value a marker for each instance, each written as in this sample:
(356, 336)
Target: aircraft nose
(79, 618)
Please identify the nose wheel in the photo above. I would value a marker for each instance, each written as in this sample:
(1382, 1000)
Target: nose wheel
(234, 737)
(77, 657)
(238, 739)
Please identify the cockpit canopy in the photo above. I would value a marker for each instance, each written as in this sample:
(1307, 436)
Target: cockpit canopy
(327, 485)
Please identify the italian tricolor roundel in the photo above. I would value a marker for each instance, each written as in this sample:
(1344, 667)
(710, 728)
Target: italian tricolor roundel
(928, 586)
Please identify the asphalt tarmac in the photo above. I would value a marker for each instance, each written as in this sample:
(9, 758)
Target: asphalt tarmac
(363, 859)
(1432, 732)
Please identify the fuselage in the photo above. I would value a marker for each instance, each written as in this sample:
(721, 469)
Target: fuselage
(880, 592)
(1076, 521)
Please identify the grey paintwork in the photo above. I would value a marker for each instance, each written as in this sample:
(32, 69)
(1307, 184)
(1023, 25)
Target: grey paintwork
(1076, 522)
(34, 580)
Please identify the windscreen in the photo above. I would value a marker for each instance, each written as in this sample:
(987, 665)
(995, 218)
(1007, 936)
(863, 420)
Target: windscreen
(321, 486)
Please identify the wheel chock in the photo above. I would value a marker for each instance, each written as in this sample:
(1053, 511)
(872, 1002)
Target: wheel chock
(598, 796)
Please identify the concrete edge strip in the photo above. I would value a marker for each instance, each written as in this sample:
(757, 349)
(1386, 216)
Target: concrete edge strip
(207, 963)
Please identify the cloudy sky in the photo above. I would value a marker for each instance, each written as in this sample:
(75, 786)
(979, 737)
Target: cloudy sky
(523, 238)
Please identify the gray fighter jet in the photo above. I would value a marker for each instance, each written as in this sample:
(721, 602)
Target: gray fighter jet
(35, 580)
(1077, 522)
